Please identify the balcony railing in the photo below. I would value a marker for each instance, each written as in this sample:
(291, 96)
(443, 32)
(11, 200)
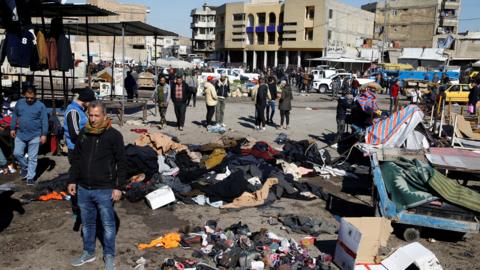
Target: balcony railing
(271, 29)
(260, 29)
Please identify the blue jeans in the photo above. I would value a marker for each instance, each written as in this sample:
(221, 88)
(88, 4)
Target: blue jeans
(3, 160)
(270, 110)
(29, 165)
(92, 202)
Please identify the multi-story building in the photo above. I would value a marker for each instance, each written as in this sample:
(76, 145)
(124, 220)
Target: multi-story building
(268, 33)
(203, 30)
(101, 48)
(413, 23)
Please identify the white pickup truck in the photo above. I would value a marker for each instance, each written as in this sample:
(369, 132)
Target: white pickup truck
(233, 74)
(325, 85)
(319, 74)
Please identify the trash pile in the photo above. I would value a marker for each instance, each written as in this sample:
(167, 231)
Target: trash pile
(236, 246)
(227, 173)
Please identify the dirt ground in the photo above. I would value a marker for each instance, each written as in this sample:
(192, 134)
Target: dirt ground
(39, 235)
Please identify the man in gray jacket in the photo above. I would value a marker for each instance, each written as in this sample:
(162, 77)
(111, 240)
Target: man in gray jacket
(162, 95)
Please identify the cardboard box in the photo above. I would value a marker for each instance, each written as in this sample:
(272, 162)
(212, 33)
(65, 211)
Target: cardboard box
(413, 253)
(160, 197)
(359, 240)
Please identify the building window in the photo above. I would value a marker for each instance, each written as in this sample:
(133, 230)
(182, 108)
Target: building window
(329, 35)
(310, 12)
(394, 12)
(271, 38)
(261, 19)
(238, 17)
(309, 33)
(260, 38)
(330, 13)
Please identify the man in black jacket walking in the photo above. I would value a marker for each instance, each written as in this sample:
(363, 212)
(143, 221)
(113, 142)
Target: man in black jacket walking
(97, 174)
(179, 91)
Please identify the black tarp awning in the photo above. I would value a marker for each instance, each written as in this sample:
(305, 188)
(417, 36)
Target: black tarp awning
(132, 28)
(51, 10)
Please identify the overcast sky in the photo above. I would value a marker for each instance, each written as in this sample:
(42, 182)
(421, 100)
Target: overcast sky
(175, 15)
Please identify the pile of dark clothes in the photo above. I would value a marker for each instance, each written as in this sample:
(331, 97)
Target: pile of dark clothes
(237, 248)
(230, 173)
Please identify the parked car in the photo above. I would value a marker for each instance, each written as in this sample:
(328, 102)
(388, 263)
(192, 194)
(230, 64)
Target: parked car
(325, 85)
(457, 93)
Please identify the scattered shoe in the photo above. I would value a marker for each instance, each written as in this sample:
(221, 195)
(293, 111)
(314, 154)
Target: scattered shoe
(84, 258)
(109, 262)
(223, 125)
(257, 128)
(263, 128)
(23, 174)
(12, 169)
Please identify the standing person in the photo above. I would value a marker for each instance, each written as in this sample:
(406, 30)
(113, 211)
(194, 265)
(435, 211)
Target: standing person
(223, 90)
(130, 84)
(29, 127)
(394, 90)
(355, 86)
(75, 118)
(261, 96)
(211, 99)
(162, 96)
(192, 82)
(179, 91)
(473, 96)
(272, 88)
(97, 174)
(285, 104)
(445, 78)
(344, 107)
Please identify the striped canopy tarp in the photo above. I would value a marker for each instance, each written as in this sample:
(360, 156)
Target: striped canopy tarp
(394, 130)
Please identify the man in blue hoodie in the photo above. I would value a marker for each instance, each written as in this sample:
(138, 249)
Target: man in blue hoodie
(75, 118)
(29, 127)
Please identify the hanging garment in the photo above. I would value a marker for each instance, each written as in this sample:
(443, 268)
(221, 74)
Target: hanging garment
(42, 49)
(19, 48)
(64, 53)
(52, 54)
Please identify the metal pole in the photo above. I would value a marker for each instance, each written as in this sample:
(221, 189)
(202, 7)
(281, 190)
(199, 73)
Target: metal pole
(88, 53)
(123, 73)
(113, 68)
(156, 71)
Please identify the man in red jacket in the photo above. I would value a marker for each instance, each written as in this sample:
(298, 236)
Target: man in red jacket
(394, 90)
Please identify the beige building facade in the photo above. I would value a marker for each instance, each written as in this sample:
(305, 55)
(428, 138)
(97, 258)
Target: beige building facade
(414, 23)
(267, 33)
(101, 48)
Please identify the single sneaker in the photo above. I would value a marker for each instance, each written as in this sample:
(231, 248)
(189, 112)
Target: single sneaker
(23, 174)
(11, 169)
(223, 125)
(263, 128)
(109, 262)
(257, 128)
(30, 182)
(84, 258)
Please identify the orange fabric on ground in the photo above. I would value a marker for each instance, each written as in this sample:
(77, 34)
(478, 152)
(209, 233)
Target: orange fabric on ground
(170, 240)
(53, 196)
